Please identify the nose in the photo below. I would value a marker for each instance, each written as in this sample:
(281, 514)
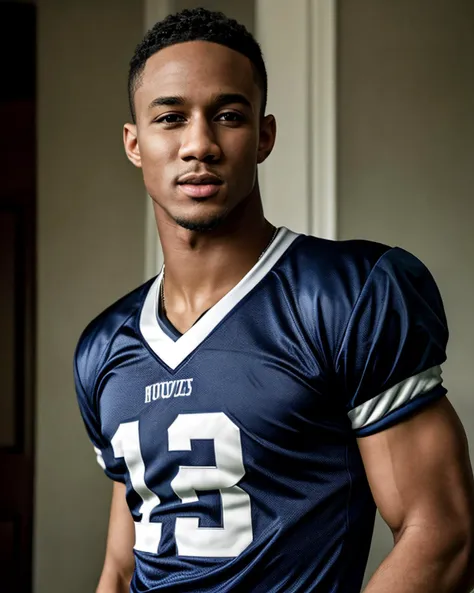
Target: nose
(199, 142)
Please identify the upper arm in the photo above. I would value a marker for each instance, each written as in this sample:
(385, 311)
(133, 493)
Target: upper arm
(389, 361)
(119, 560)
(420, 474)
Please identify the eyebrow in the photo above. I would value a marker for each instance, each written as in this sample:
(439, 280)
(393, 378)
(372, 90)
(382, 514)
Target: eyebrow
(217, 101)
(159, 101)
(228, 98)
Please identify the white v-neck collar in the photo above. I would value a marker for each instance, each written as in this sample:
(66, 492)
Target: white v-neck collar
(171, 352)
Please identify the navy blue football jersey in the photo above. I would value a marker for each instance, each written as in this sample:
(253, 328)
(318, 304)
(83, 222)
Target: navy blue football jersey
(237, 440)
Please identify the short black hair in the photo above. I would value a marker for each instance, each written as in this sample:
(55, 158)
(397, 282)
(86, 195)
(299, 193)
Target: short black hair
(198, 24)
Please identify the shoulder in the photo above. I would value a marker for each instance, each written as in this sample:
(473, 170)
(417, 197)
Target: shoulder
(339, 285)
(99, 334)
(339, 256)
(351, 264)
(334, 268)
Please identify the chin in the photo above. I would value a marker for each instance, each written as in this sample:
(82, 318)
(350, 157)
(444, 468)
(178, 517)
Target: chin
(200, 224)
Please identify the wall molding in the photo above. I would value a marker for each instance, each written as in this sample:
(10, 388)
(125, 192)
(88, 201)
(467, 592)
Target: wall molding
(323, 107)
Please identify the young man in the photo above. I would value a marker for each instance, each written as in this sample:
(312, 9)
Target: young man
(254, 400)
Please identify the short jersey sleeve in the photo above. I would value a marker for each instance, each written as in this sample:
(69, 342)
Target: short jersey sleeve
(84, 378)
(389, 362)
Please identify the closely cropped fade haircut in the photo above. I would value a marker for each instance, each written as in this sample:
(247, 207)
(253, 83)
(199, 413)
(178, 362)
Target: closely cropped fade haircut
(198, 24)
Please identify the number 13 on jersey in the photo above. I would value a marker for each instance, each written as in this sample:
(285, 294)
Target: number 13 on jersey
(191, 540)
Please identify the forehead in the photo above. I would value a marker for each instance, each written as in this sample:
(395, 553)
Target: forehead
(196, 69)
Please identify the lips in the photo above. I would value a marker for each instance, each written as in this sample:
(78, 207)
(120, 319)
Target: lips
(199, 190)
(200, 186)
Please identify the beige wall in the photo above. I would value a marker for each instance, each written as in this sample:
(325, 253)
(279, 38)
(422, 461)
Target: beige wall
(90, 251)
(406, 150)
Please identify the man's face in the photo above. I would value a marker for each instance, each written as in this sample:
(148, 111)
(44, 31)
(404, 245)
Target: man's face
(199, 134)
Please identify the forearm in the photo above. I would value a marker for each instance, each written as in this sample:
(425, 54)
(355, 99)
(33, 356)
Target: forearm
(119, 562)
(422, 562)
(113, 582)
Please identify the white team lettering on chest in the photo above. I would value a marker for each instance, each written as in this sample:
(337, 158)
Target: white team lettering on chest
(167, 389)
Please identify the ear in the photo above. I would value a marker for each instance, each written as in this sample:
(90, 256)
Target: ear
(130, 142)
(267, 138)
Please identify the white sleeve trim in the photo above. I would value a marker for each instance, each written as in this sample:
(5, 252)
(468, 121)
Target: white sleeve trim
(100, 459)
(397, 396)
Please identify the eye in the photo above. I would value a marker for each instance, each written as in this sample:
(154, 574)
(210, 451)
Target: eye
(230, 116)
(169, 119)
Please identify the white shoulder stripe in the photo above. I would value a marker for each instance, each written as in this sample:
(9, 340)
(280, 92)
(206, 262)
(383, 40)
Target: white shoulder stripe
(397, 396)
(100, 459)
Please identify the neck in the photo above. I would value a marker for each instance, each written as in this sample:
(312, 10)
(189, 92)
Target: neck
(201, 267)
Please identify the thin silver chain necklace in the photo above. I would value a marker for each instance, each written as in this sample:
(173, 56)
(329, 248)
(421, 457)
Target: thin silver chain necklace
(162, 285)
